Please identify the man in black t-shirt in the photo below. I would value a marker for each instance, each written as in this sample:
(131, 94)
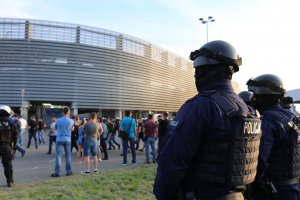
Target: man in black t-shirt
(32, 126)
(162, 131)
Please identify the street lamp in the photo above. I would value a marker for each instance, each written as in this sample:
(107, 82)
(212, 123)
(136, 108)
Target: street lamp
(209, 19)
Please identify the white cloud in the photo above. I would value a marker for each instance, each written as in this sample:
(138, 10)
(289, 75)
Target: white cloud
(16, 8)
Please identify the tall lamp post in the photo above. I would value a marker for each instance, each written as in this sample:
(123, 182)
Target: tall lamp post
(209, 19)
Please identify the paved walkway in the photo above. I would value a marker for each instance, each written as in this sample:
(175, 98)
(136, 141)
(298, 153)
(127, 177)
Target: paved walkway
(36, 165)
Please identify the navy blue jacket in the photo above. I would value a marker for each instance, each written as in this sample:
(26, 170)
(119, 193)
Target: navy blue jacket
(274, 138)
(192, 127)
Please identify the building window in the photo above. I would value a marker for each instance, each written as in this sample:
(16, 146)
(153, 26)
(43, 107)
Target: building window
(130, 46)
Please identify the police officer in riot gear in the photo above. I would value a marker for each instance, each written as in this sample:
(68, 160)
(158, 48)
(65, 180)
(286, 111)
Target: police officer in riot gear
(8, 141)
(247, 97)
(212, 146)
(286, 102)
(278, 168)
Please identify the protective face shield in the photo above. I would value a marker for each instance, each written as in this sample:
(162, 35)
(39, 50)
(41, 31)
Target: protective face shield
(216, 52)
(266, 84)
(5, 110)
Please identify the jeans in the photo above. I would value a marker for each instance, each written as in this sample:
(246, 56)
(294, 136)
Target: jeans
(104, 147)
(112, 141)
(60, 145)
(40, 136)
(125, 150)
(20, 137)
(51, 140)
(32, 135)
(20, 149)
(150, 141)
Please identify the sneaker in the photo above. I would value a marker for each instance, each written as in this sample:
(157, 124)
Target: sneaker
(23, 153)
(96, 171)
(147, 162)
(55, 175)
(69, 174)
(100, 160)
(133, 163)
(85, 172)
(154, 161)
(48, 153)
(124, 163)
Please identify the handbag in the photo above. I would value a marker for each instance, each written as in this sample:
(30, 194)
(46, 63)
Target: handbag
(125, 134)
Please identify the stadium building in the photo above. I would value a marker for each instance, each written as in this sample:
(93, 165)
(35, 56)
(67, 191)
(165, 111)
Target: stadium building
(46, 65)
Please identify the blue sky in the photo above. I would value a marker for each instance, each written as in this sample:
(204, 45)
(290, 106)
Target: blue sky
(264, 32)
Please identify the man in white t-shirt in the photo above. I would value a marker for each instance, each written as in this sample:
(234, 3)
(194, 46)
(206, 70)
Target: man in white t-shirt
(22, 130)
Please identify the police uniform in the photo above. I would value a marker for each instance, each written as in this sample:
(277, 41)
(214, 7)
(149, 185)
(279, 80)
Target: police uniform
(196, 141)
(278, 168)
(279, 157)
(8, 141)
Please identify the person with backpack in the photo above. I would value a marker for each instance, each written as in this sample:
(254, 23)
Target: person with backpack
(205, 156)
(128, 134)
(278, 168)
(111, 135)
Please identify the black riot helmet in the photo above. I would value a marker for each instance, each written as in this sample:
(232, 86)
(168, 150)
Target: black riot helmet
(286, 102)
(246, 96)
(266, 84)
(216, 52)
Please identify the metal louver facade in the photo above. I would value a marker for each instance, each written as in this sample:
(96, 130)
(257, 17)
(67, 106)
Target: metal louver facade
(88, 67)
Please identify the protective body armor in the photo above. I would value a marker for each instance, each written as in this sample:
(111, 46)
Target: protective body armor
(231, 157)
(284, 161)
(6, 132)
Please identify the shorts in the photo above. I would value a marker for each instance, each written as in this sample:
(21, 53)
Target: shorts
(90, 146)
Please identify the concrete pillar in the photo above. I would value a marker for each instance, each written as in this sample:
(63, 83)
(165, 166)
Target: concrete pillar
(74, 109)
(99, 113)
(24, 110)
(38, 112)
(118, 114)
(120, 42)
(77, 34)
(28, 31)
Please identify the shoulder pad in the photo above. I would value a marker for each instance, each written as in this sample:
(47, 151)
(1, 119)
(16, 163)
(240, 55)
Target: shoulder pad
(228, 105)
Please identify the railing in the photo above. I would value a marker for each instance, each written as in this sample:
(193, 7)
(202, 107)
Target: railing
(31, 29)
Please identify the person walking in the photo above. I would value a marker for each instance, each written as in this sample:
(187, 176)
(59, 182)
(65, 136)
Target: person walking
(32, 126)
(64, 127)
(41, 131)
(22, 130)
(8, 142)
(162, 131)
(128, 127)
(52, 134)
(150, 129)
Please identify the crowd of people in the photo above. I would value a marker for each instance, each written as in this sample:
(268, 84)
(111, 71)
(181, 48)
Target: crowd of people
(92, 137)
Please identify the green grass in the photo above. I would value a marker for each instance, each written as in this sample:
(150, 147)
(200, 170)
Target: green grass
(120, 184)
